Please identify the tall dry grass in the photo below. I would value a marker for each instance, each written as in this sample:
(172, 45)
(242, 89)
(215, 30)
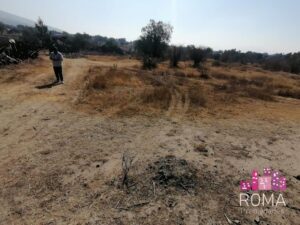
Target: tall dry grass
(153, 91)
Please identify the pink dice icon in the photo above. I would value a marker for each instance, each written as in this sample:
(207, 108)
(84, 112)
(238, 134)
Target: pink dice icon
(255, 180)
(275, 181)
(245, 185)
(264, 183)
(282, 183)
(267, 171)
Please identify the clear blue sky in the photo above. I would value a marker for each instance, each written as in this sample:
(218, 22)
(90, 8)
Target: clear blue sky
(257, 25)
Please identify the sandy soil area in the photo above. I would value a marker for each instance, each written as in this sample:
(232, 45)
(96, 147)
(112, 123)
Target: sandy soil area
(62, 164)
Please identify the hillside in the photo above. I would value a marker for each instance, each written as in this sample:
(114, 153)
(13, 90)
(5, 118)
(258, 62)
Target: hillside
(14, 20)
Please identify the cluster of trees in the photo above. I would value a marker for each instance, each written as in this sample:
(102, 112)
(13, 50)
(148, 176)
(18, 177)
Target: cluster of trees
(277, 62)
(153, 46)
(234, 56)
(16, 42)
(69, 43)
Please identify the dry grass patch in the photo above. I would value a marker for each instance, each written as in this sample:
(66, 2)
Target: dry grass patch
(163, 88)
(27, 69)
(123, 90)
(289, 93)
(104, 88)
(258, 93)
(223, 76)
(159, 96)
(197, 96)
(99, 82)
(256, 87)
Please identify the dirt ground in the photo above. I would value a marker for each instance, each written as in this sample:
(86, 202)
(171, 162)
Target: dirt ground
(61, 147)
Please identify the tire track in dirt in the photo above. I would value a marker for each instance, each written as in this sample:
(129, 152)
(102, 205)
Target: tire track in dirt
(179, 105)
(76, 78)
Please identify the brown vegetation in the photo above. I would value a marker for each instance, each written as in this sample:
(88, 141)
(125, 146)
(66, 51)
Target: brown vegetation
(131, 89)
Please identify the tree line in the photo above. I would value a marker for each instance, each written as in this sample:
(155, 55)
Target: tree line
(151, 47)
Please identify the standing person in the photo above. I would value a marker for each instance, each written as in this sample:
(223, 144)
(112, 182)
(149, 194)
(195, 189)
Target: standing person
(57, 59)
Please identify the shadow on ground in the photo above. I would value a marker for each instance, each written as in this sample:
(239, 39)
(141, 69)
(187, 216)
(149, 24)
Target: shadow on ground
(46, 86)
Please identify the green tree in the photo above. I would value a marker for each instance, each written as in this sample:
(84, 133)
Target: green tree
(30, 38)
(199, 55)
(175, 55)
(111, 47)
(2, 27)
(43, 34)
(80, 42)
(153, 42)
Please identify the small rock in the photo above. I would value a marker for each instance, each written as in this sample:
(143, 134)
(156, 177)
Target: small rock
(210, 151)
(257, 220)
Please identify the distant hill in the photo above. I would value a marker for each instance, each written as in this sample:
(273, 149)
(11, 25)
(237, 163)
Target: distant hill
(13, 20)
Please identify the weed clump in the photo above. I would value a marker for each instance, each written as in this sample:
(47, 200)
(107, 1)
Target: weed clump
(170, 171)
